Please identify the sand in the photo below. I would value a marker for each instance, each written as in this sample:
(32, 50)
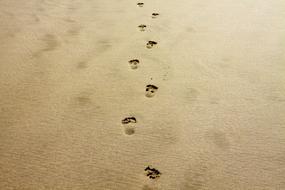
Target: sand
(76, 111)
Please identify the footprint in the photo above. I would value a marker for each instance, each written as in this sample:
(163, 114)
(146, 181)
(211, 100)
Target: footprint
(142, 27)
(154, 15)
(134, 63)
(152, 173)
(150, 90)
(140, 4)
(150, 44)
(129, 127)
(128, 120)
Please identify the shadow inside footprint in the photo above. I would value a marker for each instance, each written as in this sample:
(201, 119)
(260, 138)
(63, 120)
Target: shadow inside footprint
(152, 173)
(128, 128)
(134, 63)
(150, 90)
(140, 4)
(142, 27)
(150, 44)
(154, 15)
(128, 120)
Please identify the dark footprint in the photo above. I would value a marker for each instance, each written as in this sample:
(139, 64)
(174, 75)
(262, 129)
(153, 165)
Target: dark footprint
(128, 120)
(134, 63)
(154, 15)
(150, 90)
(128, 128)
(150, 44)
(140, 4)
(152, 173)
(142, 27)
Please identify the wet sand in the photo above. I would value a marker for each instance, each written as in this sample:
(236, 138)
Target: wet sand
(106, 95)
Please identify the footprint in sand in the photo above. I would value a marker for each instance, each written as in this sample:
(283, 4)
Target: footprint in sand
(154, 15)
(134, 63)
(128, 120)
(152, 173)
(142, 27)
(150, 90)
(140, 4)
(150, 44)
(129, 126)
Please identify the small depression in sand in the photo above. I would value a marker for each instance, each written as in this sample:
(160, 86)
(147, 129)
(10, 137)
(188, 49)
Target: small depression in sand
(140, 4)
(142, 27)
(154, 15)
(129, 125)
(134, 63)
(151, 44)
(150, 90)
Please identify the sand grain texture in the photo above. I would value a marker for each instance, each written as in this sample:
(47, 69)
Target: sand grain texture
(216, 121)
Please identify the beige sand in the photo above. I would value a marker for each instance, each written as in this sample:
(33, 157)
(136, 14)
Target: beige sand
(216, 121)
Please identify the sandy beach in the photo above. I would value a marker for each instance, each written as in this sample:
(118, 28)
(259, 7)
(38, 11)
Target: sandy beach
(142, 95)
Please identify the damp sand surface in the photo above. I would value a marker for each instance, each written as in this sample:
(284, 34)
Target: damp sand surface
(142, 95)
